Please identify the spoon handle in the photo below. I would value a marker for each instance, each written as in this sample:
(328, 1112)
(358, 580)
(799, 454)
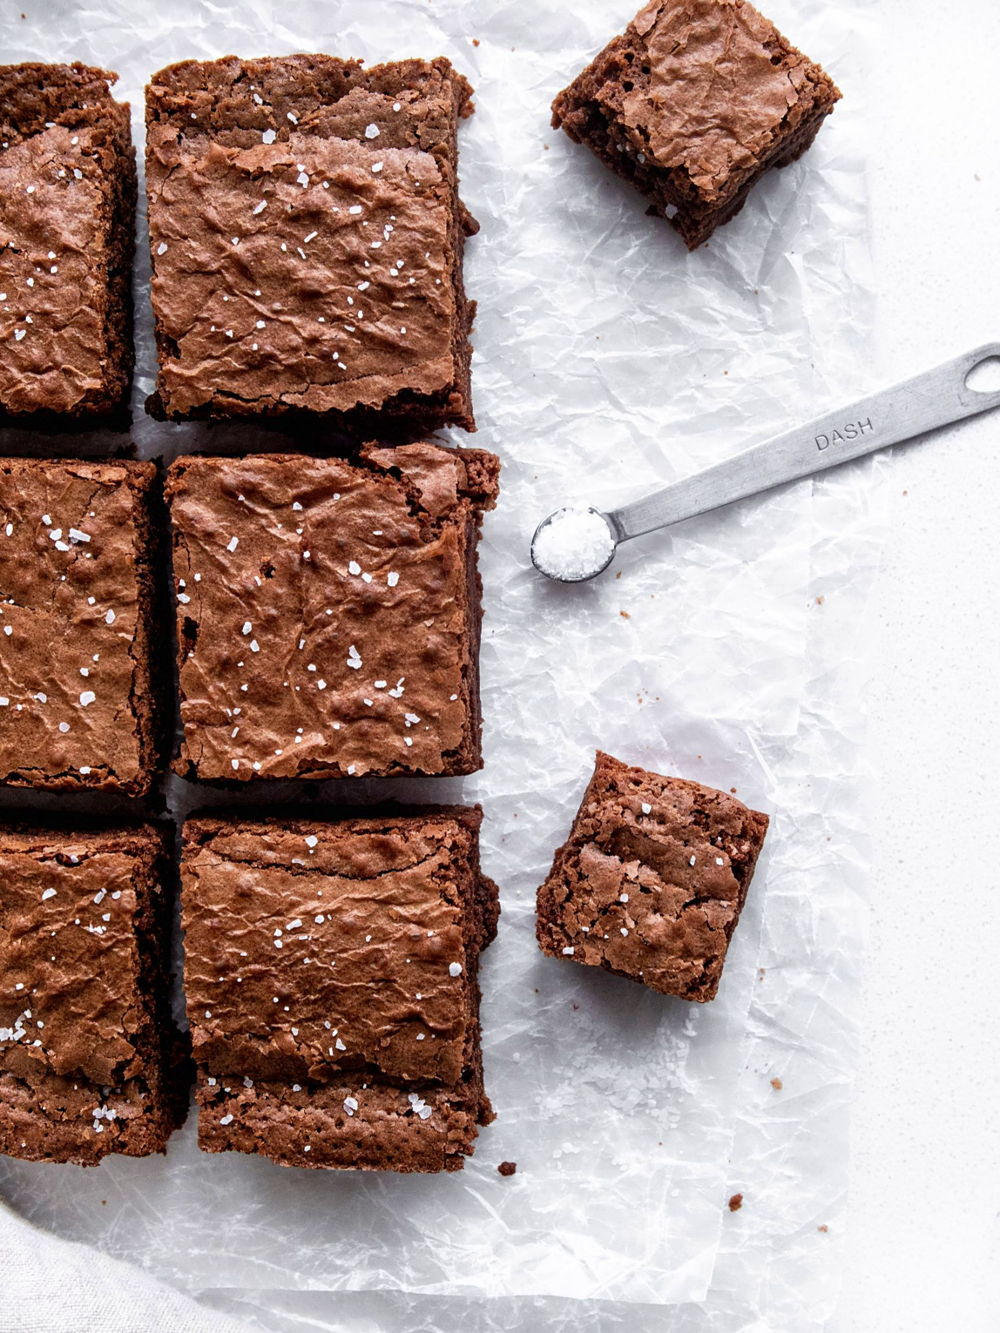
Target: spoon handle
(935, 398)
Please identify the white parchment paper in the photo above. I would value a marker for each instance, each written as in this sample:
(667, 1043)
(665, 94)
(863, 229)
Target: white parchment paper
(608, 361)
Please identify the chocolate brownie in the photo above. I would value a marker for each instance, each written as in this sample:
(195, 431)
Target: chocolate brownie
(692, 104)
(67, 219)
(90, 1062)
(306, 237)
(652, 880)
(328, 612)
(332, 988)
(76, 609)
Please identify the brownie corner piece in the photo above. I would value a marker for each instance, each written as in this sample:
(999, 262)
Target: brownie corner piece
(67, 216)
(306, 235)
(332, 982)
(90, 1060)
(652, 880)
(367, 572)
(79, 709)
(692, 104)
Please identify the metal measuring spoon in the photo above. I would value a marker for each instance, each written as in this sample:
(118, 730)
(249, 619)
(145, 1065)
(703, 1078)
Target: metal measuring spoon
(572, 545)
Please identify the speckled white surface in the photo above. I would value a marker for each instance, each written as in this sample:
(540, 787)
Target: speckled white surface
(924, 1240)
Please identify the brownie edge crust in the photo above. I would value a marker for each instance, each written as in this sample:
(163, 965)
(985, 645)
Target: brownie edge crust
(652, 880)
(692, 104)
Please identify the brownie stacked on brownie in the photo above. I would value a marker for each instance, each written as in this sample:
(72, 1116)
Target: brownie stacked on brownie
(90, 1062)
(693, 103)
(67, 210)
(332, 991)
(328, 612)
(652, 879)
(306, 236)
(76, 610)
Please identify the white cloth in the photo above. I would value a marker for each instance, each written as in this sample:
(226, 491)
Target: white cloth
(48, 1285)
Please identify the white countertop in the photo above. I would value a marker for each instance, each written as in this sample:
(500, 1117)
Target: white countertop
(924, 1244)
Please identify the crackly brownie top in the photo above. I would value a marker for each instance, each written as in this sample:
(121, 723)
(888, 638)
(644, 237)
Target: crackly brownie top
(302, 227)
(710, 86)
(313, 949)
(71, 1000)
(61, 137)
(70, 536)
(324, 609)
(652, 878)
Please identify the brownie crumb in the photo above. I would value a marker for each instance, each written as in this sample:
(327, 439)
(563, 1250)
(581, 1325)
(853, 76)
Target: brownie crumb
(777, 1084)
(824, 1228)
(736, 1203)
(507, 1168)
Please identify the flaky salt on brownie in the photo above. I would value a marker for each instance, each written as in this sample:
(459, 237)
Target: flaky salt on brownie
(652, 880)
(329, 612)
(306, 236)
(90, 1061)
(77, 708)
(693, 103)
(67, 214)
(331, 979)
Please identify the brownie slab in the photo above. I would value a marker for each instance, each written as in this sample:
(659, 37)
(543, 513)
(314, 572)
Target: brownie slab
(692, 104)
(331, 978)
(76, 608)
(306, 237)
(67, 215)
(328, 612)
(90, 1062)
(652, 880)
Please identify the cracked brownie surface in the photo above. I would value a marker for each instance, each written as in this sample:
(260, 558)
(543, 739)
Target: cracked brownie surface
(693, 103)
(90, 1062)
(331, 982)
(67, 210)
(652, 880)
(328, 612)
(76, 602)
(306, 237)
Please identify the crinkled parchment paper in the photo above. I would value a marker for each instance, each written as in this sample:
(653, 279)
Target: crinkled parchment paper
(608, 361)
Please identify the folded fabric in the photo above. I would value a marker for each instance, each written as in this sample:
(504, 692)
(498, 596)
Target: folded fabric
(50, 1285)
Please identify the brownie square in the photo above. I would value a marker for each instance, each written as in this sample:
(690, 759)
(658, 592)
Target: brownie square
(329, 612)
(90, 1062)
(76, 608)
(306, 236)
(67, 219)
(332, 989)
(692, 104)
(652, 880)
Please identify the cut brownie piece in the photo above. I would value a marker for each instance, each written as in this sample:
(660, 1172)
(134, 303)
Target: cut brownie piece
(67, 219)
(76, 608)
(693, 103)
(90, 1062)
(328, 612)
(306, 237)
(332, 989)
(652, 880)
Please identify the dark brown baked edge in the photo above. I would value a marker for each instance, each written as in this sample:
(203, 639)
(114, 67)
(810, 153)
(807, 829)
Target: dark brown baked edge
(32, 95)
(405, 415)
(578, 111)
(35, 1123)
(606, 770)
(148, 684)
(317, 1107)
